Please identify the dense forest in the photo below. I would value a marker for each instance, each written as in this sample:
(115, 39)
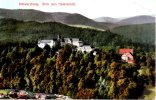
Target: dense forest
(64, 70)
(143, 33)
(16, 31)
(72, 73)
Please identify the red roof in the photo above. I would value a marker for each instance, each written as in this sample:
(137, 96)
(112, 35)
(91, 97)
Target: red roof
(123, 51)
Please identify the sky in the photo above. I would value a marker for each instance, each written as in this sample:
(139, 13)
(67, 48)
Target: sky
(89, 8)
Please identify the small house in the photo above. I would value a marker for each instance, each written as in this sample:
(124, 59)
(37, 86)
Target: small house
(127, 55)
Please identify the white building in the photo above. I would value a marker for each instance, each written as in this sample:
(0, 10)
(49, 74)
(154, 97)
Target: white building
(51, 43)
(85, 48)
(63, 41)
(75, 41)
(80, 43)
(68, 40)
(43, 43)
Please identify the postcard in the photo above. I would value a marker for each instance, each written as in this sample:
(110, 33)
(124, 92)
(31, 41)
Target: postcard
(77, 49)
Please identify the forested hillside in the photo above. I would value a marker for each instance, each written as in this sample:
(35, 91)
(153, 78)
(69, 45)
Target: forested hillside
(73, 73)
(17, 31)
(30, 32)
(142, 33)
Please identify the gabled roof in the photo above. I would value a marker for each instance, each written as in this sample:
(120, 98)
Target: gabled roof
(75, 39)
(124, 50)
(45, 41)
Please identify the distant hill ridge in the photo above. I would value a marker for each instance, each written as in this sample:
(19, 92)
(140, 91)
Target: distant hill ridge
(133, 27)
(73, 18)
(144, 19)
(115, 22)
(34, 15)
